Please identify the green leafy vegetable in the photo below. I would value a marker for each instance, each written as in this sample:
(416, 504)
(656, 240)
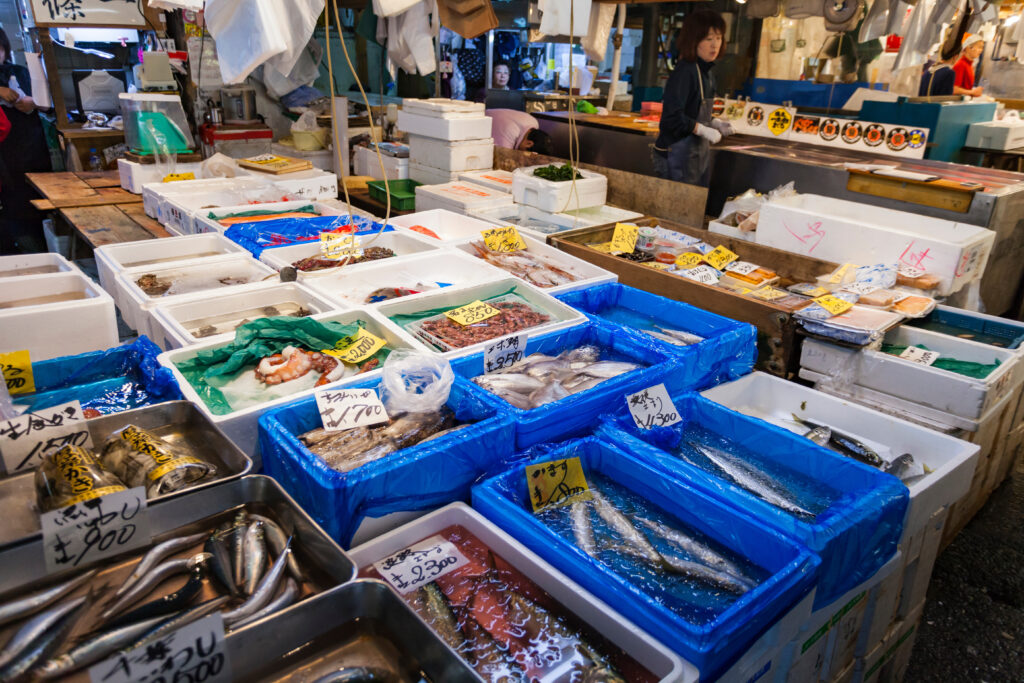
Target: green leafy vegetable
(557, 174)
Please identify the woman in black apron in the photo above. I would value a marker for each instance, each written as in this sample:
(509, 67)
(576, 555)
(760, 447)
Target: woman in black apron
(687, 130)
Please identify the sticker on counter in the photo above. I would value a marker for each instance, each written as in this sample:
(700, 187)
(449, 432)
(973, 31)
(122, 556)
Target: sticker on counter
(917, 138)
(25, 440)
(897, 139)
(422, 563)
(874, 134)
(851, 132)
(720, 257)
(919, 355)
(472, 313)
(755, 117)
(553, 482)
(833, 304)
(79, 534)
(337, 246)
(703, 274)
(17, 369)
(505, 239)
(342, 409)
(357, 347)
(502, 353)
(624, 238)
(741, 267)
(175, 177)
(829, 130)
(652, 407)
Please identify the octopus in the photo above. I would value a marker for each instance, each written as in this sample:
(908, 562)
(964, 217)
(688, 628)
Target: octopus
(293, 363)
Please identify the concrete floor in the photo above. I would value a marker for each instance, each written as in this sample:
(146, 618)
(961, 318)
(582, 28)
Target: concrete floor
(973, 623)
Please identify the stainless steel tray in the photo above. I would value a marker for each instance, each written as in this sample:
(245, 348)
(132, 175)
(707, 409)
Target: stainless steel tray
(179, 422)
(343, 627)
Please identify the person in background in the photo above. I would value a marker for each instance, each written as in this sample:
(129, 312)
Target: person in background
(937, 77)
(515, 129)
(23, 151)
(686, 131)
(500, 76)
(971, 48)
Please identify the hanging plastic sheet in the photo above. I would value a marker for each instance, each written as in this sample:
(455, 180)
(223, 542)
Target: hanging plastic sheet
(856, 512)
(110, 381)
(705, 624)
(265, 234)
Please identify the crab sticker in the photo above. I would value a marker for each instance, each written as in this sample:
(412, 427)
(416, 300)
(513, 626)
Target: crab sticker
(779, 121)
(851, 132)
(874, 135)
(897, 140)
(829, 130)
(917, 138)
(755, 117)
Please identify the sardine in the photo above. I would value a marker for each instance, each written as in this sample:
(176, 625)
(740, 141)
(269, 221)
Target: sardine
(238, 546)
(23, 607)
(288, 595)
(693, 547)
(219, 547)
(360, 674)
(582, 528)
(749, 478)
(177, 621)
(899, 465)
(264, 591)
(153, 579)
(686, 338)
(277, 541)
(168, 604)
(493, 660)
(587, 383)
(582, 354)
(668, 339)
(624, 528)
(96, 648)
(255, 557)
(156, 554)
(36, 627)
(820, 435)
(844, 443)
(43, 647)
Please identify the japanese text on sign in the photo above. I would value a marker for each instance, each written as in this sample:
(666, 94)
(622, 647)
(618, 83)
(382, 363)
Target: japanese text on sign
(741, 267)
(357, 347)
(502, 353)
(336, 246)
(704, 274)
(919, 355)
(833, 304)
(26, 439)
(82, 533)
(505, 239)
(421, 563)
(347, 408)
(720, 257)
(861, 288)
(472, 313)
(689, 260)
(87, 12)
(553, 482)
(768, 294)
(194, 653)
(624, 238)
(652, 407)
(17, 370)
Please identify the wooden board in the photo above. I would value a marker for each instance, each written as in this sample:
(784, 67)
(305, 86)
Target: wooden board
(99, 225)
(285, 165)
(137, 213)
(103, 196)
(61, 185)
(98, 179)
(940, 194)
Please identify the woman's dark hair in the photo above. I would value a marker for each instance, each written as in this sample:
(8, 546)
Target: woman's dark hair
(541, 141)
(696, 26)
(6, 45)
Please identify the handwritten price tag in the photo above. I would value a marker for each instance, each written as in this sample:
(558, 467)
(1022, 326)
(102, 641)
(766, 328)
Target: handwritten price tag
(342, 409)
(337, 246)
(652, 407)
(82, 533)
(861, 288)
(720, 257)
(26, 439)
(195, 653)
(910, 271)
(357, 347)
(472, 313)
(505, 239)
(918, 355)
(704, 274)
(17, 369)
(768, 294)
(174, 177)
(504, 352)
(553, 482)
(421, 563)
(689, 260)
(624, 238)
(741, 267)
(833, 304)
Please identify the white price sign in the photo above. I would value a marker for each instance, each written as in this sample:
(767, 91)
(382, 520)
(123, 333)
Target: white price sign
(910, 271)
(741, 267)
(26, 439)
(504, 352)
(195, 653)
(347, 408)
(422, 563)
(861, 288)
(82, 533)
(917, 355)
(652, 407)
(703, 274)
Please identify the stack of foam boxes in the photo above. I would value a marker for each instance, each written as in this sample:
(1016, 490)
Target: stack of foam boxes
(446, 138)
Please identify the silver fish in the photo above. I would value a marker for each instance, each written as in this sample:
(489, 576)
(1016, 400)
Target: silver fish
(277, 539)
(238, 546)
(286, 597)
(179, 620)
(607, 369)
(96, 648)
(153, 579)
(582, 528)
(684, 337)
(587, 383)
(36, 627)
(899, 465)
(548, 394)
(263, 593)
(43, 647)
(156, 554)
(694, 570)
(819, 435)
(695, 548)
(255, 557)
(749, 478)
(21, 608)
(582, 354)
(624, 528)
(665, 338)
(509, 382)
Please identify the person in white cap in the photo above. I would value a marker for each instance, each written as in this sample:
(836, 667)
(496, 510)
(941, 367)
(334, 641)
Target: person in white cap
(971, 48)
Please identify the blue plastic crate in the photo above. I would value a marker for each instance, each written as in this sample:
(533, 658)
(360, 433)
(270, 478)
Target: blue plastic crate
(978, 327)
(420, 477)
(729, 348)
(791, 568)
(854, 535)
(284, 232)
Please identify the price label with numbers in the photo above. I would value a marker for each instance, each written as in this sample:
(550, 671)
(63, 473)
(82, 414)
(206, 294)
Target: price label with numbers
(741, 267)
(768, 294)
(472, 313)
(17, 369)
(689, 260)
(421, 563)
(652, 407)
(501, 353)
(505, 239)
(833, 304)
(194, 653)
(82, 533)
(347, 408)
(704, 274)
(357, 347)
(337, 246)
(174, 177)
(910, 271)
(720, 257)
(919, 355)
(624, 238)
(25, 440)
(553, 482)
(861, 288)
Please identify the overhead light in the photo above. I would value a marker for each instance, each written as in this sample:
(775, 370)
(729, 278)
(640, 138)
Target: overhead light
(741, 2)
(1011, 20)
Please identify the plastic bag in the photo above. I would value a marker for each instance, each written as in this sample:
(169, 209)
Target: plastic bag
(141, 458)
(280, 232)
(218, 166)
(72, 475)
(415, 382)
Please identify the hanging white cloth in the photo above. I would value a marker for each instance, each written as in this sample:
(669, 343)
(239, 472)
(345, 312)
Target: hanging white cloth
(595, 43)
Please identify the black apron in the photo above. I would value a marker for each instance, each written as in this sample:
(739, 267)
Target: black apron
(688, 160)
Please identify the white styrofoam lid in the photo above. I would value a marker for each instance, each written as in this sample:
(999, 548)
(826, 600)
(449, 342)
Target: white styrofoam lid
(436, 106)
(469, 194)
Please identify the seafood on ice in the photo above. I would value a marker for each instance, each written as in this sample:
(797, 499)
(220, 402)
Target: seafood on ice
(293, 363)
(526, 266)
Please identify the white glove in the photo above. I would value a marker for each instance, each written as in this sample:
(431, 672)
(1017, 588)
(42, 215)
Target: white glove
(707, 132)
(723, 127)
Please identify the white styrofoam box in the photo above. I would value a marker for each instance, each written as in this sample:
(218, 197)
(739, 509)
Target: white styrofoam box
(155, 194)
(177, 324)
(918, 571)
(443, 107)
(204, 273)
(46, 263)
(402, 243)
(341, 207)
(881, 613)
(561, 315)
(493, 179)
(241, 425)
(597, 215)
(1001, 135)
(201, 221)
(444, 119)
(452, 155)
(599, 616)
(56, 244)
(312, 183)
(586, 273)
(421, 272)
(894, 651)
(366, 163)
(320, 158)
(428, 175)
(763, 659)
(951, 461)
(526, 218)
(720, 228)
(844, 231)
(449, 226)
(939, 389)
(460, 197)
(590, 190)
(53, 315)
(134, 175)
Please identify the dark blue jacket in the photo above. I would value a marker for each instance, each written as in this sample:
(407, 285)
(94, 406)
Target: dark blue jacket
(681, 103)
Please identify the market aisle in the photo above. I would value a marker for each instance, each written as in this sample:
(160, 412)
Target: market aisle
(973, 626)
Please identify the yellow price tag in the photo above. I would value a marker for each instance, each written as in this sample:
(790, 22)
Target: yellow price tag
(17, 370)
(768, 294)
(553, 482)
(624, 238)
(817, 291)
(505, 239)
(833, 304)
(357, 347)
(337, 246)
(172, 177)
(719, 257)
(657, 266)
(689, 260)
(472, 313)
(604, 248)
(838, 276)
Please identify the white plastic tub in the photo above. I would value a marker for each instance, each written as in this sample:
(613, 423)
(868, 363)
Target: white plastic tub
(22, 265)
(527, 218)
(402, 243)
(194, 320)
(428, 175)
(366, 163)
(55, 315)
(493, 179)
(590, 190)
(452, 155)
(134, 175)
(444, 119)
(155, 194)
(459, 197)
(201, 221)
(447, 225)
(599, 616)
(596, 215)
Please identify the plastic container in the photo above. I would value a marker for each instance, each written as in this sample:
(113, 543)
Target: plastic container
(448, 226)
(134, 175)
(459, 197)
(154, 195)
(428, 175)
(155, 122)
(860, 325)
(525, 218)
(402, 196)
(310, 184)
(447, 155)
(973, 326)
(401, 243)
(366, 163)
(444, 119)
(492, 179)
(259, 236)
(35, 264)
(590, 190)
(597, 215)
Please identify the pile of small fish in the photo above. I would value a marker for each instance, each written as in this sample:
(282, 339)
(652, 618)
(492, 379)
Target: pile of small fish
(348, 449)
(539, 379)
(248, 559)
(525, 265)
(311, 263)
(852, 447)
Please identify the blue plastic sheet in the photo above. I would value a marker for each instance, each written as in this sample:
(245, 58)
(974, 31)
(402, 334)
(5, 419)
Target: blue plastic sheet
(577, 413)
(789, 568)
(110, 381)
(729, 348)
(281, 232)
(855, 534)
(422, 477)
